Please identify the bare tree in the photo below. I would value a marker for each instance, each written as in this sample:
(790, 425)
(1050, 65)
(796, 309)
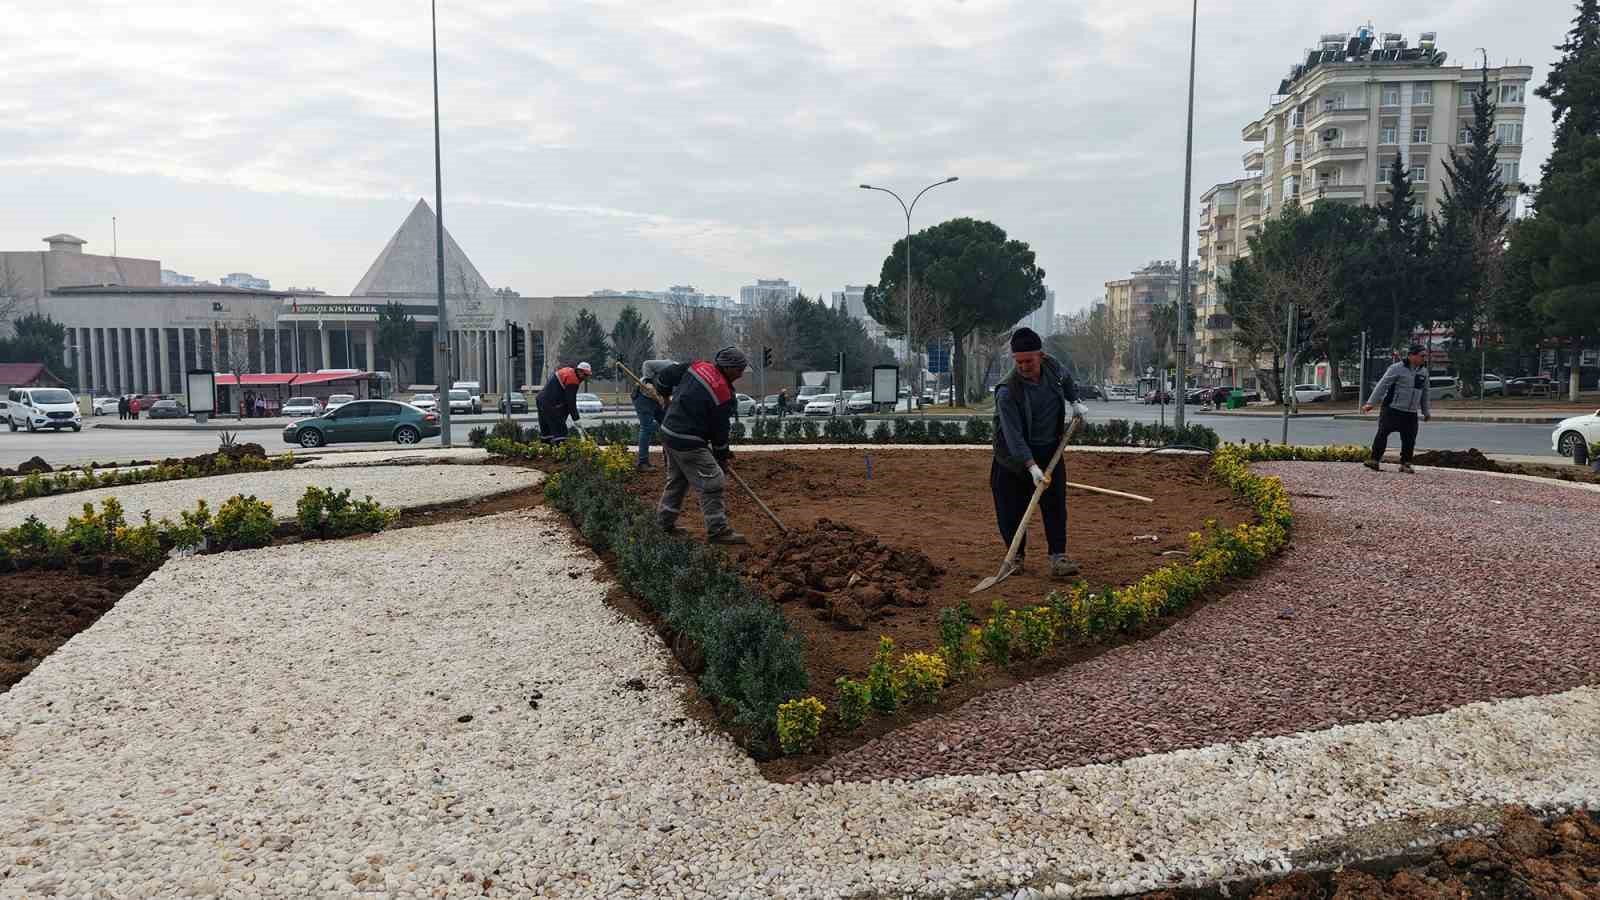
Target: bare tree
(1305, 280)
(13, 291)
(773, 326)
(231, 351)
(694, 332)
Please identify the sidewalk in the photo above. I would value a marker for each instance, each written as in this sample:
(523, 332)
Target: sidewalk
(1542, 415)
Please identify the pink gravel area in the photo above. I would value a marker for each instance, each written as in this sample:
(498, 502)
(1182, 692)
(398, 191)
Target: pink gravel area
(1399, 596)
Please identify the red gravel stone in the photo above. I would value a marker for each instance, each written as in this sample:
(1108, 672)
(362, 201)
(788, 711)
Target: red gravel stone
(1400, 596)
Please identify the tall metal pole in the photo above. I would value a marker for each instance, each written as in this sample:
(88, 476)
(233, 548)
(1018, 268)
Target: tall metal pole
(1285, 389)
(907, 210)
(1183, 283)
(442, 330)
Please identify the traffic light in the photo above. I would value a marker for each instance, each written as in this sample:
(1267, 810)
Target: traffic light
(518, 338)
(1303, 326)
(766, 357)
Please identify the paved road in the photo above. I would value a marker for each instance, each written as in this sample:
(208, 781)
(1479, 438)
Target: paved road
(110, 445)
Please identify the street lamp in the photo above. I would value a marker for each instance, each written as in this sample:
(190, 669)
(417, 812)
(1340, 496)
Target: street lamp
(1183, 281)
(907, 210)
(441, 331)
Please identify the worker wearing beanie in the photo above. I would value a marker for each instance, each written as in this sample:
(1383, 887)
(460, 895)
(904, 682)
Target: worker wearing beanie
(694, 440)
(1402, 393)
(1030, 417)
(559, 400)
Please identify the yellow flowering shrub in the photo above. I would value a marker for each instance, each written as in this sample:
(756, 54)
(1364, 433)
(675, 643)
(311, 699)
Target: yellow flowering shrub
(922, 676)
(799, 724)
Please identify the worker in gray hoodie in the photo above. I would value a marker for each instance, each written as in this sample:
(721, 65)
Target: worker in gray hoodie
(1401, 394)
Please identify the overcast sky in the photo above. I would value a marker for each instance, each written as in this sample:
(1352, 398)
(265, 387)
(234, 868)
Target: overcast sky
(638, 145)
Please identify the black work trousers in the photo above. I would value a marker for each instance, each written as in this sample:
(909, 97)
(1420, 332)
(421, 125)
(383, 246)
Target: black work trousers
(1391, 420)
(1012, 493)
(552, 424)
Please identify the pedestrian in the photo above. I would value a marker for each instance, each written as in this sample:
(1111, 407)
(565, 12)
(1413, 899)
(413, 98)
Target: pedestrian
(694, 440)
(1403, 390)
(783, 403)
(133, 407)
(650, 405)
(1030, 417)
(122, 408)
(559, 400)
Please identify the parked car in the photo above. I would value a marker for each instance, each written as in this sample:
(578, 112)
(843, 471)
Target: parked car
(337, 400)
(168, 409)
(474, 390)
(1493, 385)
(1443, 387)
(1091, 392)
(768, 405)
(821, 404)
(300, 407)
(365, 420)
(859, 402)
(1565, 436)
(425, 401)
(105, 406)
(1531, 385)
(460, 401)
(1119, 392)
(519, 403)
(1158, 396)
(744, 405)
(1195, 396)
(40, 408)
(1311, 393)
(590, 405)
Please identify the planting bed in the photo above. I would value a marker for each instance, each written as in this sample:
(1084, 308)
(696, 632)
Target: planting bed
(40, 610)
(884, 555)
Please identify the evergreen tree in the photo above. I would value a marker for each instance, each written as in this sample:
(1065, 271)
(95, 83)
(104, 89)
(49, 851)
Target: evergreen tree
(397, 340)
(1573, 86)
(583, 340)
(36, 339)
(633, 340)
(1397, 276)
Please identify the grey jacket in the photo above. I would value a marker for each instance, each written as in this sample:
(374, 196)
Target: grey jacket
(1402, 389)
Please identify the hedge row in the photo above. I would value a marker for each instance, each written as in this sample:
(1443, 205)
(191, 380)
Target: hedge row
(916, 430)
(37, 484)
(966, 642)
(748, 661)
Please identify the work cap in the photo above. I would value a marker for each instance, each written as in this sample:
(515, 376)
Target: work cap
(1025, 340)
(731, 358)
(584, 367)
(1416, 348)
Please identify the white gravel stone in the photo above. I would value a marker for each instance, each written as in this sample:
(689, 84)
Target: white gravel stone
(392, 486)
(316, 729)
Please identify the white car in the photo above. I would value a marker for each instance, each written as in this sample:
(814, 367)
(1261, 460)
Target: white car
(461, 401)
(1119, 392)
(1493, 385)
(1568, 432)
(744, 405)
(821, 404)
(105, 406)
(859, 402)
(337, 400)
(590, 405)
(302, 407)
(1311, 393)
(475, 390)
(39, 408)
(424, 401)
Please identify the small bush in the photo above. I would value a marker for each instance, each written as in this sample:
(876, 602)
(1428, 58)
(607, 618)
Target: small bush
(997, 635)
(31, 537)
(8, 488)
(883, 433)
(141, 543)
(325, 512)
(33, 485)
(854, 701)
(736, 433)
(242, 522)
(882, 684)
(794, 429)
(799, 724)
(94, 533)
(922, 676)
(910, 431)
(808, 429)
(476, 436)
(960, 656)
(979, 430)
(505, 428)
(1036, 631)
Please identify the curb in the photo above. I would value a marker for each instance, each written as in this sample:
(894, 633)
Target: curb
(1480, 420)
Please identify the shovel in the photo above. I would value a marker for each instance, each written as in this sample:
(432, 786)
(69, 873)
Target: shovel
(770, 514)
(1022, 529)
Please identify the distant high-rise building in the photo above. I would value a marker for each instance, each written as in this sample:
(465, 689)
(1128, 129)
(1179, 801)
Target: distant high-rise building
(1132, 300)
(765, 289)
(170, 277)
(1043, 319)
(246, 280)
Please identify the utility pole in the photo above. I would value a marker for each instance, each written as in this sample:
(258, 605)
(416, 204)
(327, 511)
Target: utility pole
(1285, 390)
(1183, 283)
(441, 332)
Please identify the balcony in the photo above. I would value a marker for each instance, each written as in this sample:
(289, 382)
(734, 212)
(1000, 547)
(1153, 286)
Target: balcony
(1253, 159)
(1335, 115)
(1250, 190)
(1255, 131)
(1342, 150)
(1330, 190)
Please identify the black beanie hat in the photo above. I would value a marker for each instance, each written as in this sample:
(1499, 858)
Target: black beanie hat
(1025, 340)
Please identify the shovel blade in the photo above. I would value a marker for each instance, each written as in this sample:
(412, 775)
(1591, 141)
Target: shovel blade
(992, 580)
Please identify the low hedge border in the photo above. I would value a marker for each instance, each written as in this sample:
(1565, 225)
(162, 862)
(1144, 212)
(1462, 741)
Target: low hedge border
(41, 484)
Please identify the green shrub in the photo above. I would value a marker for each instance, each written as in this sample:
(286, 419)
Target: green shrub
(1036, 631)
(836, 429)
(979, 430)
(476, 436)
(325, 512)
(33, 485)
(31, 537)
(8, 488)
(506, 428)
(960, 656)
(735, 432)
(853, 703)
(808, 429)
(997, 635)
(141, 543)
(799, 724)
(883, 686)
(242, 522)
(884, 432)
(94, 533)
(190, 532)
(922, 676)
(910, 431)
(794, 429)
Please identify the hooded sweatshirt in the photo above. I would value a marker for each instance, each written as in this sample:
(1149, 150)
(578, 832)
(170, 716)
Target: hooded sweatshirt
(1402, 389)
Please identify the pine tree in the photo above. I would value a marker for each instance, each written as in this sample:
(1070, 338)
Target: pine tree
(583, 340)
(1397, 279)
(633, 340)
(1573, 86)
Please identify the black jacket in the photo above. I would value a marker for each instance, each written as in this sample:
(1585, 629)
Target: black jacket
(1050, 374)
(701, 409)
(560, 394)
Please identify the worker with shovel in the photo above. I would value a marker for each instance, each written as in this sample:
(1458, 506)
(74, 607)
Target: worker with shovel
(650, 404)
(694, 440)
(559, 400)
(1030, 420)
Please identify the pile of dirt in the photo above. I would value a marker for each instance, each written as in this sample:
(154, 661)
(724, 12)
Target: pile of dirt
(206, 460)
(1528, 858)
(849, 577)
(35, 464)
(1458, 459)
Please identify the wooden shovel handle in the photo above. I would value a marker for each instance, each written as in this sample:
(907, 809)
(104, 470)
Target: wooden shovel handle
(1038, 491)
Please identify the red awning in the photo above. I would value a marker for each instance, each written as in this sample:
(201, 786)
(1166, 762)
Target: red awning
(256, 380)
(326, 377)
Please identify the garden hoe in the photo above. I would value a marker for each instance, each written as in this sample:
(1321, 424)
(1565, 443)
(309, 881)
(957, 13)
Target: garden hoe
(1022, 530)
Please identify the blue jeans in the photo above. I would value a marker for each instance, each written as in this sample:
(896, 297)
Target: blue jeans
(648, 423)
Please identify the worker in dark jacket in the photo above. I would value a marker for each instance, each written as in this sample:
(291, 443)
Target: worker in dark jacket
(694, 440)
(1030, 417)
(650, 404)
(559, 400)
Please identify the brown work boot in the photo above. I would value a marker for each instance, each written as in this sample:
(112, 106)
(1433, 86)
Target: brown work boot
(669, 525)
(726, 535)
(1062, 567)
(1373, 465)
(1406, 468)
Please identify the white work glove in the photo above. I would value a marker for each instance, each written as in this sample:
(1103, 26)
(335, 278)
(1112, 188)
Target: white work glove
(1079, 411)
(1038, 474)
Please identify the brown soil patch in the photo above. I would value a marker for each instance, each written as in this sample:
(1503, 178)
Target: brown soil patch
(1527, 858)
(41, 609)
(923, 526)
(1475, 460)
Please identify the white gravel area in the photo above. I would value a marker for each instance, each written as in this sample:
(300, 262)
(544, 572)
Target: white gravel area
(409, 456)
(392, 486)
(225, 731)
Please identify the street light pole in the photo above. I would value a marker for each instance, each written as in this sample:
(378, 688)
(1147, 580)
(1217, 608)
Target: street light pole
(907, 210)
(1183, 282)
(441, 332)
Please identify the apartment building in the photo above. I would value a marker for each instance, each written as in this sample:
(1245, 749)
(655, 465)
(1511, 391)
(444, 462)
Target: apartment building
(1358, 102)
(1131, 301)
(1229, 214)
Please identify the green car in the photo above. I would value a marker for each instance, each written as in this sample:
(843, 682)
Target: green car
(365, 420)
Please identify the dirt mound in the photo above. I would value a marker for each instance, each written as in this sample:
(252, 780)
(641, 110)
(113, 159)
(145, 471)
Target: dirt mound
(205, 460)
(1526, 859)
(849, 577)
(36, 464)
(1458, 459)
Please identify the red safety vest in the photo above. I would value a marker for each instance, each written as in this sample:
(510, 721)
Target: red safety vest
(712, 377)
(568, 376)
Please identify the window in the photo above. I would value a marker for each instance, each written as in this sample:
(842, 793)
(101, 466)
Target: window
(1419, 174)
(1465, 137)
(1511, 93)
(1298, 118)
(1333, 101)
(1389, 134)
(1508, 133)
(1391, 95)
(1507, 171)
(1384, 165)
(1419, 134)
(353, 411)
(1422, 95)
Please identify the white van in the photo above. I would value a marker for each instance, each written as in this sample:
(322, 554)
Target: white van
(39, 408)
(1443, 387)
(474, 389)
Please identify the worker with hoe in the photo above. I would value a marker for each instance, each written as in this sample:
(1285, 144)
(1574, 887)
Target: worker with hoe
(1403, 390)
(559, 399)
(1030, 413)
(694, 440)
(650, 404)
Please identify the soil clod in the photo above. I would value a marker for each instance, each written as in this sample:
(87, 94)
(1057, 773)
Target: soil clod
(848, 576)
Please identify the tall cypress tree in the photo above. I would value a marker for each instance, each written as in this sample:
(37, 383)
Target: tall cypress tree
(1573, 86)
(1398, 275)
